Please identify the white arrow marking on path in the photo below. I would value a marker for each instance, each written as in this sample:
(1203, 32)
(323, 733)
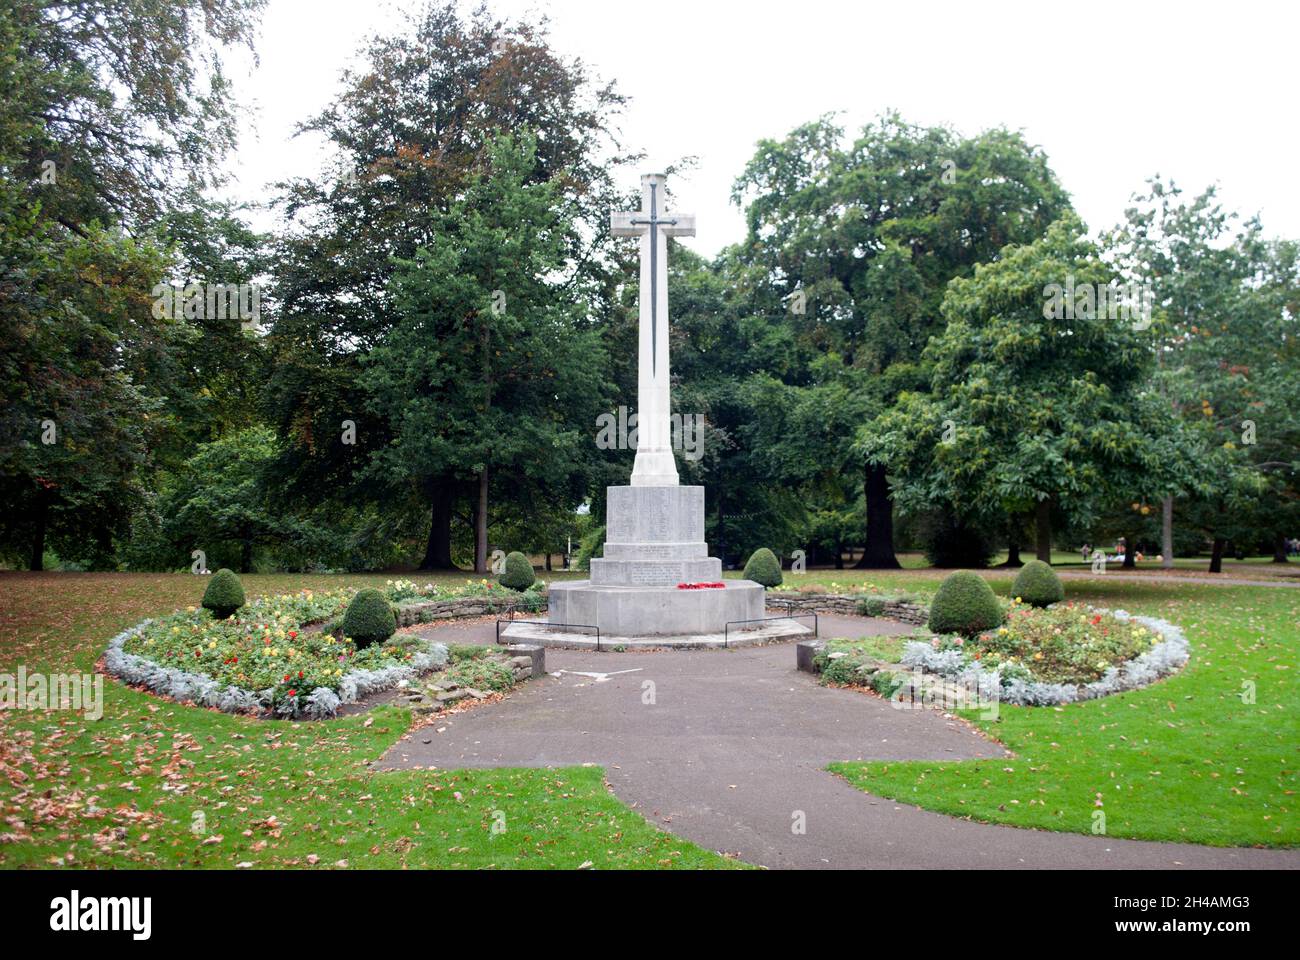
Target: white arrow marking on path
(598, 677)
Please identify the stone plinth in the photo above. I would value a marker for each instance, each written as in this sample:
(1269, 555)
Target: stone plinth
(654, 540)
(654, 611)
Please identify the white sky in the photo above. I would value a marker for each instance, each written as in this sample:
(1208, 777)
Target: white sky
(1114, 92)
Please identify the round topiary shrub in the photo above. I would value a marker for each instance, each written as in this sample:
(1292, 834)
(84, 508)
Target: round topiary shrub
(369, 618)
(225, 594)
(763, 567)
(1038, 585)
(965, 604)
(517, 574)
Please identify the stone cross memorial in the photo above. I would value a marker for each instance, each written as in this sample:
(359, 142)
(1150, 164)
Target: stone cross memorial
(654, 528)
(654, 465)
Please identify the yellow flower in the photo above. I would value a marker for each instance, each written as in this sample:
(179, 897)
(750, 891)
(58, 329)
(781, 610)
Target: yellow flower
(1018, 600)
(212, 645)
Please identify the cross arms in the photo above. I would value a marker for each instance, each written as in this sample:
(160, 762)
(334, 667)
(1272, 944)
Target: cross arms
(634, 223)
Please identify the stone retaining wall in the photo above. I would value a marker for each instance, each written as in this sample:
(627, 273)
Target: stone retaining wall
(413, 614)
(904, 611)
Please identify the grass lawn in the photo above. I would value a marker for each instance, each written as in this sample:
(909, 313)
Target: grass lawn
(1184, 759)
(154, 783)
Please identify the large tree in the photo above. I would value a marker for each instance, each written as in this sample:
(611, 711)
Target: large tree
(94, 139)
(1226, 361)
(490, 367)
(412, 125)
(1039, 403)
(865, 237)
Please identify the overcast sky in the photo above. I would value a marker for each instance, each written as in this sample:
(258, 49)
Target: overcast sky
(1114, 92)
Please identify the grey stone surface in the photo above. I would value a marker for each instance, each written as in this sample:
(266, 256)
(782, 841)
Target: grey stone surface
(804, 653)
(535, 654)
(654, 515)
(645, 550)
(651, 610)
(661, 573)
(654, 541)
(772, 630)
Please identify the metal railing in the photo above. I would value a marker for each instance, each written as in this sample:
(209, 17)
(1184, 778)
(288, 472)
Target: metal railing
(726, 630)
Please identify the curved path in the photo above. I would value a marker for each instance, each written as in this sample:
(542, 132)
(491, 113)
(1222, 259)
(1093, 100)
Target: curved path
(732, 750)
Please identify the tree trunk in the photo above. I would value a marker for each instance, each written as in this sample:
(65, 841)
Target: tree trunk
(38, 535)
(1167, 533)
(839, 554)
(1130, 552)
(481, 518)
(878, 553)
(1013, 544)
(1279, 549)
(1216, 555)
(481, 524)
(1043, 529)
(246, 555)
(548, 561)
(437, 552)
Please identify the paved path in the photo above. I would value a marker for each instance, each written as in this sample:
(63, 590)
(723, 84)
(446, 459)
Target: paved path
(735, 743)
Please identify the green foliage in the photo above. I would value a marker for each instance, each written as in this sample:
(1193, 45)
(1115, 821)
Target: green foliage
(408, 238)
(763, 567)
(859, 663)
(532, 600)
(93, 141)
(1026, 406)
(591, 545)
(964, 604)
(1067, 643)
(1228, 363)
(219, 499)
(482, 672)
(518, 572)
(885, 683)
(843, 670)
(952, 542)
(369, 618)
(862, 234)
(265, 645)
(1038, 585)
(224, 594)
(460, 652)
(871, 606)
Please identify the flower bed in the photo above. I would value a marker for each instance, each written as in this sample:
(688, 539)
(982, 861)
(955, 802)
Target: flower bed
(268, 658)
(1056, 655)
